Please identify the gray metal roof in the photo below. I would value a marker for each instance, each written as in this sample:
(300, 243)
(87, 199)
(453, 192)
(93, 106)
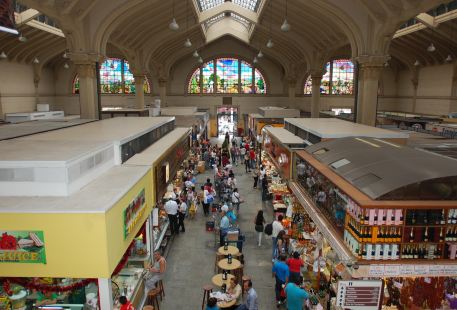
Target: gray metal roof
(377, 167)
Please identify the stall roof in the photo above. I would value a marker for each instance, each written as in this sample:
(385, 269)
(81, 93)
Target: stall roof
(256, 115)
(118, 129)
(96, 197)
(153, 153)
(329, 128)
(377, 167)
(284, 136)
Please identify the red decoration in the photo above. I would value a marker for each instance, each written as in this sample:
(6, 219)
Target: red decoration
(8, 242)
(27, 283)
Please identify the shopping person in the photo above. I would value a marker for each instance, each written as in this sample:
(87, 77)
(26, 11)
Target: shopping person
(295, 296)
(259, 222)
(277, 227)
(295, 263)
(182, 215)
(224, 226)
(255, 175)
(156, 272)
(171, 208)
(281, 273)
(125, 303)
(251, 299)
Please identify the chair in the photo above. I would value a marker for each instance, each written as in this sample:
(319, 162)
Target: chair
(207, 289)
(238, 273)
(159, 285)
(153, 298)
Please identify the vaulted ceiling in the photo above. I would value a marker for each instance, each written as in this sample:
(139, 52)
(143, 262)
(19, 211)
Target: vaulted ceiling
(320, 30)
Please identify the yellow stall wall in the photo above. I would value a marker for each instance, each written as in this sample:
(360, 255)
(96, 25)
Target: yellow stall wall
(88, 245)
(116, 243)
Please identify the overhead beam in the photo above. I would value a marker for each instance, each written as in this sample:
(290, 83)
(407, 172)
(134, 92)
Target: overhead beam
(44, 27)
(426, 22)
(427, 19)
(26, 16)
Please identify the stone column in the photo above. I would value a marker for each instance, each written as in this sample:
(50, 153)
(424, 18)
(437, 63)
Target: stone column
(316, 94)
(453, 103)
(370, 69)
(88, 99)
(163, 91)
(139, 91)
(415, 82)
(291, 92)
(36, 81)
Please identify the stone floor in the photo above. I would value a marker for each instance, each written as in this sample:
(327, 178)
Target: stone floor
(192, 254)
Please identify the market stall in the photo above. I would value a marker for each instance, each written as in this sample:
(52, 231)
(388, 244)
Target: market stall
(392, 230)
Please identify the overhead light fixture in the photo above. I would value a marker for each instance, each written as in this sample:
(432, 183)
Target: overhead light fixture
(3, 55)
(448, 58)
(260, 54)
(187, 43)
(386, 64)
(417, 63)
(195, 54)
(66, 66)
(174, 25)
(255, 60)
(200, 60)
(431, 48)
(285, 27)
(270, 43)
(21, 38)
(36, 61)
(65, 55)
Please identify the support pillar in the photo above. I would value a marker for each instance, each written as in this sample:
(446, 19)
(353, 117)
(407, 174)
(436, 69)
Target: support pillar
(36, 81)
(139, 91)
(453, 103)
(163, 91)
(88, 99)
(291, 92)
(105, 291)
(415, 82)
(370, 69)
(315, 95)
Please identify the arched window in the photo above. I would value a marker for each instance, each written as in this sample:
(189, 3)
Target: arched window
(338, 80)
(227, 76)
(115, 78)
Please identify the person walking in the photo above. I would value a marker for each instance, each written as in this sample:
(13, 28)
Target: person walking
(251, 299)
(295, 296)
(246, 163)
(181, 215)
(276, 228)
(223, 228)
(252, 158)
(237, 154)
(236, 199)
(233, 154)
(264, 183)
(295, 263)
(281, 273)
(255, 174)
(171, 208)
(242, 153)
(259, 222)
(281, 243)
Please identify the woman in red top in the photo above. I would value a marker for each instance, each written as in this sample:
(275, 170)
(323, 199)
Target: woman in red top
(125, 303)
(294, 263)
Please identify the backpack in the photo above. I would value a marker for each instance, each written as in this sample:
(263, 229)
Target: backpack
(268, 229)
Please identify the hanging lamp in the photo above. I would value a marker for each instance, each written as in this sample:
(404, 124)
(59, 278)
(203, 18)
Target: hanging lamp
(21, 38)
(65, 55)
(260, 54)
(187, 43)
(431, 48)
(449, 58)
(417, 63)
(36, 61)
(285, 27)
(173, 25)
(66, 66)
(3, 55)
(195, 54)
(255, 60)
(270, 43)
(200, 60)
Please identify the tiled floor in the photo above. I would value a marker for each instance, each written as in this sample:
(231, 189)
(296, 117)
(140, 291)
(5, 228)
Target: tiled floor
(192, 254)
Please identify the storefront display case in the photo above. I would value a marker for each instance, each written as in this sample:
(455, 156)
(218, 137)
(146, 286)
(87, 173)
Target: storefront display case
(129, 282)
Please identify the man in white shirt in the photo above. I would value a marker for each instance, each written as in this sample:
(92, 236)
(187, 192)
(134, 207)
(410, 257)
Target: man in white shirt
(171, 207)
(181, 215)
(236, 199)
(277, 227)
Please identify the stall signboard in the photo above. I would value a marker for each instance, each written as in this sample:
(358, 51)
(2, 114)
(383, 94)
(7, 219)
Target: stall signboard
(279, 155)
(359, 294)
(411, 270)
(22, 247)
(134, 213)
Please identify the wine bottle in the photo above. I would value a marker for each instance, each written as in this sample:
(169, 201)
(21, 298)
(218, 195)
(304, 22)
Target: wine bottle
(229, 259)
(411, 235)
(426, 217)
(381, 217)
(425, 237)
(415, 253)
(454, 235)
(380, 237)
(224, 275)
(399, 234)
(367, 217)
(384, 216)
(364, 251)
(448, 236)
(223, 287)
(392, 216)
(404, 253)
(441, 235)
(443, 219)
(454, 217)
(225, 246)
(401, 218)
(375, 217)
(413, 217)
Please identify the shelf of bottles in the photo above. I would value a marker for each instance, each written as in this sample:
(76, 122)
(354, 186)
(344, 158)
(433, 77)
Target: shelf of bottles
(392, 234)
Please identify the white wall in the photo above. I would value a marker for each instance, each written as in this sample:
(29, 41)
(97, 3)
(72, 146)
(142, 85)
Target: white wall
(17, 90)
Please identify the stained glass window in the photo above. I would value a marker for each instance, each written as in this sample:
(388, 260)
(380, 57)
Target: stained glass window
(246, 78)
(111, 76)
(227, 75)
(260, 87)
(248, 4)
(194, 84)
(115, 78)
(342, 77)
(208, 77)
(209, 4)
(338, 80)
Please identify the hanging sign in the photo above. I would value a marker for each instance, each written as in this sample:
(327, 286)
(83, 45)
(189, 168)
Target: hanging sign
(22, 247)
(133, 213)
(359, 295)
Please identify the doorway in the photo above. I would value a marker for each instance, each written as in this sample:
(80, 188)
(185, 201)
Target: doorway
(227, 120)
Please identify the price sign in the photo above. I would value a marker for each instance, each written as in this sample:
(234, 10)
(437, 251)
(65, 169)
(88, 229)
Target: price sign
(450, 269)
(407, 270)
(376, 271)
(437, 270)
(421, 269)
(391, 270)
(359, 295)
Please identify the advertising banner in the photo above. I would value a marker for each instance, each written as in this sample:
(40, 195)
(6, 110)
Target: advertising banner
(134, 212)
(22, 247)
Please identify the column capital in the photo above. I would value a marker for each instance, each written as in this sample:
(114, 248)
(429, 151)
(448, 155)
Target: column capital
(163, 81)
(85, 57)
(138, 77)
(372, 60)
(86, 70)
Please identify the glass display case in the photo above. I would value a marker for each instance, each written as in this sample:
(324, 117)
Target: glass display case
(129, 282)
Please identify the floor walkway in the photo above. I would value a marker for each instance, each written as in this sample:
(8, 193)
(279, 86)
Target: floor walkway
(191, 258)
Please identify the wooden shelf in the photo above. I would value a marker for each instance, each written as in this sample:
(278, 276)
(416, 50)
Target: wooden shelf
(426, 225)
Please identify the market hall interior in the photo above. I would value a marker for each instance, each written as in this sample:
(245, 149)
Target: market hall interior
(107, 109)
